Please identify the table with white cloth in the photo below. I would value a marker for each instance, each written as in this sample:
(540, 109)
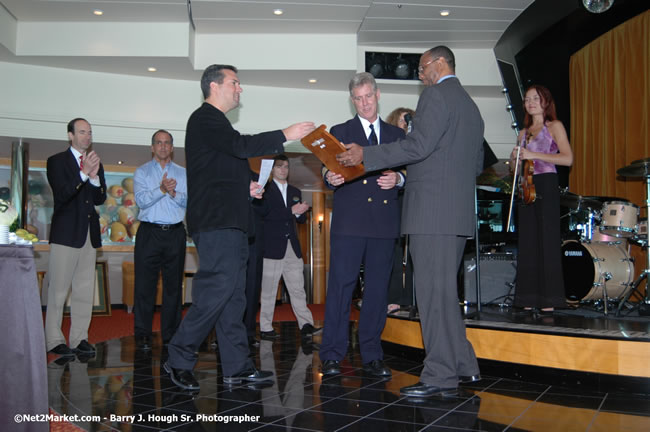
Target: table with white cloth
(23, 358)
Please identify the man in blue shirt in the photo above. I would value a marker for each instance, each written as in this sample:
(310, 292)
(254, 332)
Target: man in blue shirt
(160, 188)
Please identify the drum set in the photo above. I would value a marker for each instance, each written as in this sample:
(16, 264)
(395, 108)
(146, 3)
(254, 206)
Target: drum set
(596, 259)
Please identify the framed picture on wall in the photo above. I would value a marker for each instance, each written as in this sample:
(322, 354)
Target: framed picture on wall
(102, 298)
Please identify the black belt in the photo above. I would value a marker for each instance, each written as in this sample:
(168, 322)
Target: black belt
(165, 227)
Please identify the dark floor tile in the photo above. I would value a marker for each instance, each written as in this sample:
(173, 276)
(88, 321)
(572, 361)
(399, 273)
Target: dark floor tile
(381, 425)
(358, 408)
(295, 399)
(632, 405)
(410, 414)
(281, 428)
(506, 384)
(321, 421)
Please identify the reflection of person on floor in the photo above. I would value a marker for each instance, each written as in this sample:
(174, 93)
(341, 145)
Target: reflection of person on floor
(365, 224)
(290, 399)
(540, 283)
(218, 216)
(443, 154)
(282, 208)
(69, 386)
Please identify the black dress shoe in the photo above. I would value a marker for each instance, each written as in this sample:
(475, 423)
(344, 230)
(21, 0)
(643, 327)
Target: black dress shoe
(248, 375)
(330, 367)
(269, 335)
(309, 330)
(85, 348)
(143, 343)
(62, 350)
(183, 378)
(252, 342)
(422, 390)
(377, 368)
(469, 378)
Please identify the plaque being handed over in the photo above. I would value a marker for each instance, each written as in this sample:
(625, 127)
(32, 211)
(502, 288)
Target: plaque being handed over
(325, 147)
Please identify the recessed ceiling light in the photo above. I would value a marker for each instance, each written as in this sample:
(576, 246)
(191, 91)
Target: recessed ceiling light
(98, 12)
(278, 11)
(120, 162)
(152, 69)
(444, 12)
(313, 81)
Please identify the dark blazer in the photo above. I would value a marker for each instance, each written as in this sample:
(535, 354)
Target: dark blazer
(74, 202)
(279, 222)
(218, 175)
(444, 154)
(361, 207)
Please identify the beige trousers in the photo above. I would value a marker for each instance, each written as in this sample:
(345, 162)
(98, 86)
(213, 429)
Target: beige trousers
(70, 267)
(290, 268)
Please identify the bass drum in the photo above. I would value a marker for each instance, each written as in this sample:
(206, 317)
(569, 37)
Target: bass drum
(587, 266)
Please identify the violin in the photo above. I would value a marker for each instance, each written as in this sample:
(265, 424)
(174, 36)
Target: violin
(525, 186)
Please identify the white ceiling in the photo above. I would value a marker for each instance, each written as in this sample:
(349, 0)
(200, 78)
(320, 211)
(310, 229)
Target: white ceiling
(411, 25)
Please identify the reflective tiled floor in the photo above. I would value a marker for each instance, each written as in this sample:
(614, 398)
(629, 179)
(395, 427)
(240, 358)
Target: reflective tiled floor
(120, 381)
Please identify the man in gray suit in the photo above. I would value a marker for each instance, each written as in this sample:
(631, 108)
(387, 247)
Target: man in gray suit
(443, 154)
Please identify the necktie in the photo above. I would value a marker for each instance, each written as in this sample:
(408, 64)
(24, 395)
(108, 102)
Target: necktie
(81, 162)
(372, 138)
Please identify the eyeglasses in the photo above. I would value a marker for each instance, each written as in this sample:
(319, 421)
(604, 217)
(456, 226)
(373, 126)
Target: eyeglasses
(421, 68)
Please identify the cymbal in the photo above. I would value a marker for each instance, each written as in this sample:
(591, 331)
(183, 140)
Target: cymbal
(639, 168)
(576, 202)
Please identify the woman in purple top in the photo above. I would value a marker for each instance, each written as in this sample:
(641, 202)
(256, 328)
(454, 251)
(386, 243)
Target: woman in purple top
(539, 283)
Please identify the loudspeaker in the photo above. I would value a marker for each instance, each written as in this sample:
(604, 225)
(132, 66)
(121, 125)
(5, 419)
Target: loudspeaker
(498, 271)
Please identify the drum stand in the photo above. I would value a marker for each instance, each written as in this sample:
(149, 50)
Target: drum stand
(644, 305)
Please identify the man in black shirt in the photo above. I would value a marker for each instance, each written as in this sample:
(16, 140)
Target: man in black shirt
(218, 212)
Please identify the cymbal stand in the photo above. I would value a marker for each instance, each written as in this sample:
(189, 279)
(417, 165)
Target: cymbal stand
(644, 305)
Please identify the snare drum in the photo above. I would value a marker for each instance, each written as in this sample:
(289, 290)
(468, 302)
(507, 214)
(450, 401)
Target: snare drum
(587, 266)
(619, 219)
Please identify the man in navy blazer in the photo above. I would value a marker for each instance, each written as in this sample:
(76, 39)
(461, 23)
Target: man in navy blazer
(365, 224)
(282, 208)
(76, 177)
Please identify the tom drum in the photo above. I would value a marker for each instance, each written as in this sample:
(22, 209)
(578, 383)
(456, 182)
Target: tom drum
(619, 218)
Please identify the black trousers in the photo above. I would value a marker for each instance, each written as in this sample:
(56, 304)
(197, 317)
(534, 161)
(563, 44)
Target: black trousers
(158, 250)
(218, 302)
(540, 281)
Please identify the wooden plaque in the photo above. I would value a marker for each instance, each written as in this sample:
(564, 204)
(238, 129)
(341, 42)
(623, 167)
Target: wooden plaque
(325, 147)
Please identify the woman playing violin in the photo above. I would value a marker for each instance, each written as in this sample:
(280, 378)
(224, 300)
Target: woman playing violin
(544, 141)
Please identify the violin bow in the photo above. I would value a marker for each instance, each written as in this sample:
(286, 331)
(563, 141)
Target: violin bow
(514, 186)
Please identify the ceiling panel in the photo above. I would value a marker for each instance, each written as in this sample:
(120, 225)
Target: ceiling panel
(211, 26)
(485, 13)
(391, 24)
(497, 4)
(257, 11)
(82, 10)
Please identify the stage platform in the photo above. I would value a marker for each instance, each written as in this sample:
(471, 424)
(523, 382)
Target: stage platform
(579, 340)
